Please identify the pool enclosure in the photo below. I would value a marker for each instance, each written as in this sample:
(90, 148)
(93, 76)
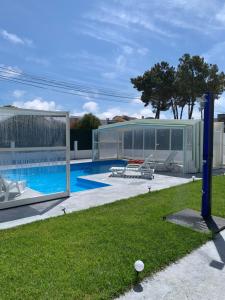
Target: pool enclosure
(138, 139)
(34, 150)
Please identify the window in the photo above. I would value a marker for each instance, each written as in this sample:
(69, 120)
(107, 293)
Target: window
(149, 138)
(128, 139)
(138, 138)
(163, 139)
(177, 139)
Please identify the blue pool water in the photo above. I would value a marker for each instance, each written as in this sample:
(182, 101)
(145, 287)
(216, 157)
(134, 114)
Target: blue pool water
(52, 179)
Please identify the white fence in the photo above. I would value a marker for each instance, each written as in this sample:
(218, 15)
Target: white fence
(80, 154)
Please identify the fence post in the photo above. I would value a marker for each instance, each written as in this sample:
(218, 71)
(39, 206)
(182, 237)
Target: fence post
(75, 149)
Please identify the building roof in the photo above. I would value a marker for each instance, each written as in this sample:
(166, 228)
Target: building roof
(158, 122)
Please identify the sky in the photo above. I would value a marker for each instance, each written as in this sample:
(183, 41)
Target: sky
(102, 44)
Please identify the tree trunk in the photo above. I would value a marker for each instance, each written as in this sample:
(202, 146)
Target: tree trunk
(157, 114)
(191, 109)
(181, 112)
(174, 110)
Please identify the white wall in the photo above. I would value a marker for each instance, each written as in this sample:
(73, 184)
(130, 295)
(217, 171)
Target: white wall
(80, 154)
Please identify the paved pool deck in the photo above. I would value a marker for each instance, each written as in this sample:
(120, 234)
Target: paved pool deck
(198, 276)
(120, 188)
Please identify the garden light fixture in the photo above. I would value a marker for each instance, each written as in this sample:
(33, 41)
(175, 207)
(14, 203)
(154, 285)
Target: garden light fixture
(139, 266)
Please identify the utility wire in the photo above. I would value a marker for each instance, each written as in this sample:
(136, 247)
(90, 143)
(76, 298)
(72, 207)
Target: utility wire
(9, 71)
(13, 80)
(62, 86)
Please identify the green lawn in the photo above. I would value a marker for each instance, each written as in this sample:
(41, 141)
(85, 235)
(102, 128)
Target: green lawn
(90, 254)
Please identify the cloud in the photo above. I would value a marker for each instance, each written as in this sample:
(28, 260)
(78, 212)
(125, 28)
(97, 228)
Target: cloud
(91, 107)
(190, 15)
(121, 62)
(136, 101)
(109, 75)
(128, 18)
(142, 51)
(196, 114)
(111, 112)
(9, 71)
(128, 49)
(117, 67)
(215, 53)
(37, 103)
(220, 105)
(18, 93)
(106, 34)
(170, 16)
(38, 60)
(108, 113)
(220, 16)
(15, 39)
(144, 112)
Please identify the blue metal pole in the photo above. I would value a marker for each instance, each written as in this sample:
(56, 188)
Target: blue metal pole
(207, 156)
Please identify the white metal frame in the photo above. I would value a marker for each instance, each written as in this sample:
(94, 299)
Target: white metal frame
(17, 111)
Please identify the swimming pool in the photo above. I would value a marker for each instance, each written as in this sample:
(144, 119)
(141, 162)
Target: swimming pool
(52, 179)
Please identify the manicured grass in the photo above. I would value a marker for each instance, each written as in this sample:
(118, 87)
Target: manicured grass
(90, 254)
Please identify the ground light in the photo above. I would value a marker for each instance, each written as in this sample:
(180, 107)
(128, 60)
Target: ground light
(139, 267)
(64, 209)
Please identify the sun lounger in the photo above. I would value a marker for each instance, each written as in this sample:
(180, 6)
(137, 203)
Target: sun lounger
(8, 186)
(133, 171)
(167, 165)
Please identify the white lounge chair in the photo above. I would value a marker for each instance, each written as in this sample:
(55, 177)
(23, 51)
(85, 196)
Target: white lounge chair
(7, 186)
(143, 170)
(167, 165)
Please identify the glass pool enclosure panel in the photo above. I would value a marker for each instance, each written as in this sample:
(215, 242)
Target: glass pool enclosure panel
(182, 139)
(218, 144)
(34, 153)
(139, 142)
(108, 144)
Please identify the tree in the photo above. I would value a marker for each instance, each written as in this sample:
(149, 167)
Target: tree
(194, 77)
(215, 81)
(74, 123)
(165, 87)
(157, 87)
(89, 121)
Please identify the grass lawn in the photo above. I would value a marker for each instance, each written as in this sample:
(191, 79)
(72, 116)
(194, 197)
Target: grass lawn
(90, 254)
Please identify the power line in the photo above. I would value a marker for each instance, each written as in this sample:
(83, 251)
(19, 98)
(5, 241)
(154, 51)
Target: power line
(5, 69)
(62, 84)
(13, 80)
